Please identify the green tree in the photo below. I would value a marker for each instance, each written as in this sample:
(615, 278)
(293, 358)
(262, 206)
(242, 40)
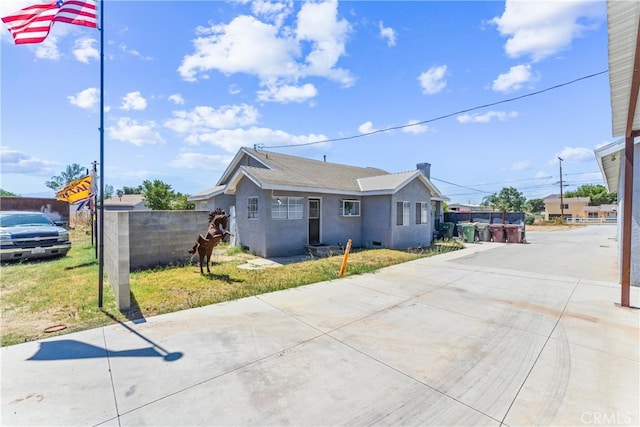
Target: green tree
(509, 199)
(131, 190)
(157, 195)
(5, 193)
(70, 174)
(108, 191)
(598, 194)
(535, 205)
(182, 203)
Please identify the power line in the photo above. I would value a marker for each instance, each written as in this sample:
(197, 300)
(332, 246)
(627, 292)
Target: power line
(437, 118)
(461, 186)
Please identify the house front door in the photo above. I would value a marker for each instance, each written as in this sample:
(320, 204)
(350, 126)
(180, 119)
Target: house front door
(314, 221)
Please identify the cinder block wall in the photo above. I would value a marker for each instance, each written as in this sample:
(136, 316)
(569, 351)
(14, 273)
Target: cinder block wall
(163, 237)
(138, 239)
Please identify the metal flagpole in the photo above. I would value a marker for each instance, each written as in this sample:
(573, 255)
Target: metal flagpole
(101, 219)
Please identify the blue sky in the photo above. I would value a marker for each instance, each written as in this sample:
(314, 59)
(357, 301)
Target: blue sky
(189, 83)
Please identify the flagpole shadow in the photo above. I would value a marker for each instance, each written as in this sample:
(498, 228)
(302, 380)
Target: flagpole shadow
(69, 349)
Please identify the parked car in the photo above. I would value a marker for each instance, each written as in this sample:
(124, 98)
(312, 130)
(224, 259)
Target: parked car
(30, 235)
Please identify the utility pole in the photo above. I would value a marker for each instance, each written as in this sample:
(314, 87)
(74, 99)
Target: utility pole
(561, 198)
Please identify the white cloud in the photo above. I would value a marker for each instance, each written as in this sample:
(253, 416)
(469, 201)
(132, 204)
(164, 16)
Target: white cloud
(87, 98)
(318, 24)
(84, 50)
(133, 52)
(275, 12)
(177, 98)
(231, 140)
(415, 128)
(487, 117)
(14, 161)
(388, 34)
(433, 80)
(541, 174)
(520, 166)
(573, 154)
(203, 119)
(366, 127)
(543, 28)
(514, 79)
(133, 101)
(270, 51)
(134, 132)
(48, 49)
(285, 94)
(245, 45)
(201, 161)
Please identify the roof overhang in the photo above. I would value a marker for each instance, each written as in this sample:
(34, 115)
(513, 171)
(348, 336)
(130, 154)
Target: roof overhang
(207, 194)
(609, 160)
(624, 77)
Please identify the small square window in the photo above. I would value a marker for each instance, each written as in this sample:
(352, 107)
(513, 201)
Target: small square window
(350, 208)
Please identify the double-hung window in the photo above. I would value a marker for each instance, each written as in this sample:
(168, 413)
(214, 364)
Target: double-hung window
(252, 207)
(422, 213)
(402, 213)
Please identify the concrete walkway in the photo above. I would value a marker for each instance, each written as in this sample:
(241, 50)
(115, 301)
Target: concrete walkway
(495, 334)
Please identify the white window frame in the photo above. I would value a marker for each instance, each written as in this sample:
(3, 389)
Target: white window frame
(405, 219)
(284, 207)
(422, 213)
(295, 207)
(252, 207)
(346, 211)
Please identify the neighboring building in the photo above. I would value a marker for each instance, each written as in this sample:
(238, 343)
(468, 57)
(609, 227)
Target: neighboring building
(602, 213)
(574, 207)
(126, 202)
(461, 207)
(285, 203)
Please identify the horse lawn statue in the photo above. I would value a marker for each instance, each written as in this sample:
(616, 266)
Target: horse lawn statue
(215, 234)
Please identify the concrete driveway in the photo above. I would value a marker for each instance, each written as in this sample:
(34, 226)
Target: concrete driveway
(495, 334)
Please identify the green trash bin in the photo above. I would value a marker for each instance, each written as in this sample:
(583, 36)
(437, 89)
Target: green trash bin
(469, 232)
(447, 228)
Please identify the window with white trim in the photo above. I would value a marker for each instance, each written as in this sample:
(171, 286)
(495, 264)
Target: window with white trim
(403, 213)
(252, 207)
(350, 208)
(422, 212)
(287, 207)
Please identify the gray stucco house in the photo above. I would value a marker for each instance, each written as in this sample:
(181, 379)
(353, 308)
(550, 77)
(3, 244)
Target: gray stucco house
(283, 204)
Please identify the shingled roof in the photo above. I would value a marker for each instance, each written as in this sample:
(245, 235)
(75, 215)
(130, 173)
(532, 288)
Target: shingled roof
(277, 171)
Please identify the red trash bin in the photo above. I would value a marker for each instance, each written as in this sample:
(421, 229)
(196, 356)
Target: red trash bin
(497, 232)
(513, 232)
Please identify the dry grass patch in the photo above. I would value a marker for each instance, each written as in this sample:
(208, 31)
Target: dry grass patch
(36, 295)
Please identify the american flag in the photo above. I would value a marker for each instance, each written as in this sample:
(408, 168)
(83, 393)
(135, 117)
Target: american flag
(32, 24)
